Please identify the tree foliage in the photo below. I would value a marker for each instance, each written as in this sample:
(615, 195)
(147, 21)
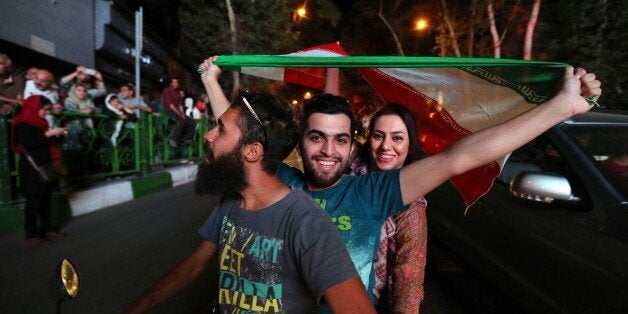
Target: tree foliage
(261, 27)
(264, 26)
(588, 33)
(591, 34)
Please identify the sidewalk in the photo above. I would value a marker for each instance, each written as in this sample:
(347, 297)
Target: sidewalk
(66, 205)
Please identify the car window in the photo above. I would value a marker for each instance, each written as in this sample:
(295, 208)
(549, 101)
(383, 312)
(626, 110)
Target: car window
(542, 155)
(608, 146)
(537, 155)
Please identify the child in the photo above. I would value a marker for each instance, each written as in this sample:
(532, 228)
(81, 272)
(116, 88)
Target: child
(120, 113)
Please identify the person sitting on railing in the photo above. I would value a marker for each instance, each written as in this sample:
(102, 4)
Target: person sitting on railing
(11, 87)
(120, 114)
(173, 105)
(128, 99)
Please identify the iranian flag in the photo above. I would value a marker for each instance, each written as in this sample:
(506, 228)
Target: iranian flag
(449, 97)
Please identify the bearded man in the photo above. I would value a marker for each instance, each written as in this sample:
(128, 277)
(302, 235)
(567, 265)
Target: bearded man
(278, 251)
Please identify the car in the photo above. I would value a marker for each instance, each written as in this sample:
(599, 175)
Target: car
(552, 233)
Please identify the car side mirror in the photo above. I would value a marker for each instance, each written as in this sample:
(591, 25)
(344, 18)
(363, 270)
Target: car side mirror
(541, 187)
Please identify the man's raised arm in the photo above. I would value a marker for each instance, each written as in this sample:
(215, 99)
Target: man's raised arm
(217, 99)
(485, 146)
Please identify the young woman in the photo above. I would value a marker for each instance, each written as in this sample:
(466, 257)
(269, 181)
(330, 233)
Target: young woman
(79, 101)
(34, 141)
(400, 260)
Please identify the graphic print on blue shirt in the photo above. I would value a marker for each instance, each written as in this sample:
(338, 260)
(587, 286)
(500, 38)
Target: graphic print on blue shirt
(242, 287)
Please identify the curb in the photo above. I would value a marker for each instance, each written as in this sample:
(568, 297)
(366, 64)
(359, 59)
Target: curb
(68, 205)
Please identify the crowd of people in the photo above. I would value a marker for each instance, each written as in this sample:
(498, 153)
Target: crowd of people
(42, 132)
(367, 252)
(84, 91)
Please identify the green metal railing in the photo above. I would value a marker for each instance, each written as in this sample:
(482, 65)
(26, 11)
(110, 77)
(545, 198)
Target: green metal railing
(93, 149)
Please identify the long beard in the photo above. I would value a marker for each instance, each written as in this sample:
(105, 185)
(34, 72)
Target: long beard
(322, 180)
(222, 175)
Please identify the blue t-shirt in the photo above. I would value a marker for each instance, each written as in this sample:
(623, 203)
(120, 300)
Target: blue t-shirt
(358, 206)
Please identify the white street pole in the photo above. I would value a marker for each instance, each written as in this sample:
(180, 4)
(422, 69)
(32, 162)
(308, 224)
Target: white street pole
(138, 53)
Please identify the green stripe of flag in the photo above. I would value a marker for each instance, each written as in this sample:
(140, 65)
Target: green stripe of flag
(235, 62)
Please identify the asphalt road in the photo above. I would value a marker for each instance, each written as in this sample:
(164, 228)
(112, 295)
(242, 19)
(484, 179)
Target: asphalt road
(120, 251)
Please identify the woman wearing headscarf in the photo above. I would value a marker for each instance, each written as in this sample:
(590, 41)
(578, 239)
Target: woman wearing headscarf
(34, 141)
(119, 114)
(79, 101)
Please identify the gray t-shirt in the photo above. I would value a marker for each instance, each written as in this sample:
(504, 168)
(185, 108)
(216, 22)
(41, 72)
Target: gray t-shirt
(277, 259)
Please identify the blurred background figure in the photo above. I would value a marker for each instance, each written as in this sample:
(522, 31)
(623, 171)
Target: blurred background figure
(11, 86)
(128, 99)
(31, 73)
(43, 84)
(92, 79)
(119, 115)
(54, 117)
(362, 110)
(172, 99)
(79, 101)
(190, 109)
(616, 165)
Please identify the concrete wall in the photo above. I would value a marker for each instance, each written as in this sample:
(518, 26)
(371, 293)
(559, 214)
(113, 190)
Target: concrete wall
(63, 29)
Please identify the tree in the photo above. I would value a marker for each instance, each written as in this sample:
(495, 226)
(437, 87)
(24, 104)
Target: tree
(494, 35)
(233, 34)
(393, 33)
(238, 27)
(451, 29)
(590, 34)
(387, 28)
(527, 46)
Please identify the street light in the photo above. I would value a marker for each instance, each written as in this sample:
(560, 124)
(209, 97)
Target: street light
(421, 24)
(301, 12)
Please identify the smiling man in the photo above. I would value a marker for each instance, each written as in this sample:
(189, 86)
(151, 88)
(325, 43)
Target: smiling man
(359, 205)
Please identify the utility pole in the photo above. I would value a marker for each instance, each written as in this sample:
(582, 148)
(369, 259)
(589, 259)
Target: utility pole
(143, 124)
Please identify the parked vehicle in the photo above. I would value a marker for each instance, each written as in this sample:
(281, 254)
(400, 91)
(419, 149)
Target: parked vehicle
(552, 233)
